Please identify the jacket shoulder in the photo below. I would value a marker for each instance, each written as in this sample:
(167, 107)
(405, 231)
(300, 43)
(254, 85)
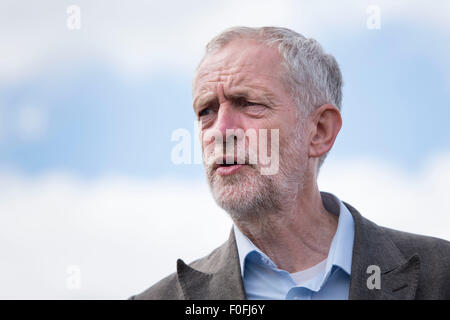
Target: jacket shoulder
(169, 288)
(428, 247)
(165, 289)
(434, 254)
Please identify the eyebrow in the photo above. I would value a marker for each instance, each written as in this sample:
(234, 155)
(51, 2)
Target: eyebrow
(262, 95)
(204, 99)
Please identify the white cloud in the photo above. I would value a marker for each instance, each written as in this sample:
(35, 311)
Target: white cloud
(393, 197)
(123, 234)
(126, 234)
(138, 36)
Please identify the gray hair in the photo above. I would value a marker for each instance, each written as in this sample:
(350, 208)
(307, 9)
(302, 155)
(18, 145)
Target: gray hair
(313, 76)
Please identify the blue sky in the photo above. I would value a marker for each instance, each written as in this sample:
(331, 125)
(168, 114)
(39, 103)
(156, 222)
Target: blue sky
(99, 121)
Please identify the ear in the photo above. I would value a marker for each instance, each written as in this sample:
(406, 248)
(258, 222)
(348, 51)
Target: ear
(325, 126)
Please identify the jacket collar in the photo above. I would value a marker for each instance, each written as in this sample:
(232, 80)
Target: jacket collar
(373, 246)
(218, 276)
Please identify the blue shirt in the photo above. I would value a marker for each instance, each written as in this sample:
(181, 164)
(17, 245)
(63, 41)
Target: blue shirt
(327, 280)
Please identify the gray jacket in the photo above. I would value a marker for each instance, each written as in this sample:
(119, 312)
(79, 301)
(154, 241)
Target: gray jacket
(412, 267)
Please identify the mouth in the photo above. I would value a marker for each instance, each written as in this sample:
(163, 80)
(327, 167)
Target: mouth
(225, 169)
(228, 169)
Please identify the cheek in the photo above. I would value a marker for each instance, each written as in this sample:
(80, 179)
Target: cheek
(204, 144)
(210, 140)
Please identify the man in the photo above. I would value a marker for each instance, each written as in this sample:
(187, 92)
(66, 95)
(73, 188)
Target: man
(289, 240)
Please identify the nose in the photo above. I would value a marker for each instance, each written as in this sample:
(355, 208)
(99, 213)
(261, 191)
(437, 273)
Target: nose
(228, 121)
(227, 118)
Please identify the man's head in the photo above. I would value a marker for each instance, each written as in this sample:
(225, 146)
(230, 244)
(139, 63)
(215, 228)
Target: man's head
(273, 79)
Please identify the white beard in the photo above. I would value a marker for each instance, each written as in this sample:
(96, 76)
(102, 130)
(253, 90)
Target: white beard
(247, 195)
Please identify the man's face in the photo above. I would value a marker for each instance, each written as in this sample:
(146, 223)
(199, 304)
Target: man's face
(243, 86)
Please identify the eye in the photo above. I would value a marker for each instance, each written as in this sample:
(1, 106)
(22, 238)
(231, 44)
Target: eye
(204, 112)
(246, 103)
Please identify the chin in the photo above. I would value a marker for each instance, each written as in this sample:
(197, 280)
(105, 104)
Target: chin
(245, 196)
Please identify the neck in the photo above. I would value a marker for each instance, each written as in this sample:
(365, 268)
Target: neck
(296, 237)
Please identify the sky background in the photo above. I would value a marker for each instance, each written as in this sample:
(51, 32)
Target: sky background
(91, 205)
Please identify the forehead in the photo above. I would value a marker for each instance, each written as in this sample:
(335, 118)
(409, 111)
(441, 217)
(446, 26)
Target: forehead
(241, 63)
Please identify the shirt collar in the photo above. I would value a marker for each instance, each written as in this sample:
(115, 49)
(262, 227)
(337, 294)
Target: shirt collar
(341, 249)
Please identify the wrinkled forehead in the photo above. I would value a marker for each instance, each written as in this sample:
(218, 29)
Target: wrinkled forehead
(245, 59)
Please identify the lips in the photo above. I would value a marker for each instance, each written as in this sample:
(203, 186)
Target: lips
(228, 169)
(224, 169)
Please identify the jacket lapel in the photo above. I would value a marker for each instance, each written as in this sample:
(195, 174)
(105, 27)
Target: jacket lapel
(217, 277)
(372, 246)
